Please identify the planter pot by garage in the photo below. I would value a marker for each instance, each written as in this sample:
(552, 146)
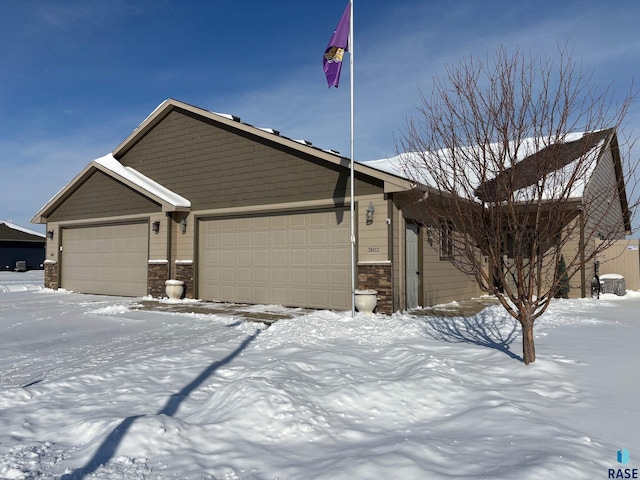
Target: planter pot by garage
(174, 289)
(366, 301)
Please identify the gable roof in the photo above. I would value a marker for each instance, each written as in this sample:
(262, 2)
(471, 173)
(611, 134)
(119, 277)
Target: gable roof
(531, 164)
(392, 181)
(548, 161)
(170, 201)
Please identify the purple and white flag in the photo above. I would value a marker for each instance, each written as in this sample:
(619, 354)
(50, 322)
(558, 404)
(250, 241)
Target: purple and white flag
(339, 43)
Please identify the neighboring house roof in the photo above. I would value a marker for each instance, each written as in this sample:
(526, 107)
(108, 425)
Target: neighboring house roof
(12, 232)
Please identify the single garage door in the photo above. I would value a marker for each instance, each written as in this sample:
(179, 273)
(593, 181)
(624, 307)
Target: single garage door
(109, 260)
(294, 260)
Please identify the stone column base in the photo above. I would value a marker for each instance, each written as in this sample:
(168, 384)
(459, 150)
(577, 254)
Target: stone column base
(157, 274)
(377, 276)
(51, 274)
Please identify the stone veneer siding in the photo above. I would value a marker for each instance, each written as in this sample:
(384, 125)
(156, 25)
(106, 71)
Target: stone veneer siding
(51, 275)
(377, 277)
(184, 273)
(157, 274)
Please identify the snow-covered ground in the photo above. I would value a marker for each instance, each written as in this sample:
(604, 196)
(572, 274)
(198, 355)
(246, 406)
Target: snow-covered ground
(93, 388)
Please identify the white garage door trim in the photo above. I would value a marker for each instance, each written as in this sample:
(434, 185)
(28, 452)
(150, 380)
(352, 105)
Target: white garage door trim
(294, 259)
(106, 259)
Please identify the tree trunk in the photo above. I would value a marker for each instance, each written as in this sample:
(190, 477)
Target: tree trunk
(528, 346)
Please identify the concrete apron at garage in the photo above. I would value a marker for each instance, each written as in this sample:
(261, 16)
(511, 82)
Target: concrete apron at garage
(240, 310)
(269, 315)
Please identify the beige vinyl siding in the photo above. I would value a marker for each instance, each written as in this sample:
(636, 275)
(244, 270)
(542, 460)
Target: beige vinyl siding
(602, 214)
(158, 242)
(373, 239)
(101, 196)
(442, 282)
(215, 168)
(52, 246)
(603, 211)
(623, 258)
(184, 245)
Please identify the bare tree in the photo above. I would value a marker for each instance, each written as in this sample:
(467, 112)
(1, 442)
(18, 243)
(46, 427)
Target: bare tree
(502, 179)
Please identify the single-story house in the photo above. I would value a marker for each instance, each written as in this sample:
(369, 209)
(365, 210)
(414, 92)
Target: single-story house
(240, 214)
(20, 248)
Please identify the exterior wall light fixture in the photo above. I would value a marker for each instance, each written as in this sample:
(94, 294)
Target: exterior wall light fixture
(369, 213)
(50, 234)
(183, 225)
(155, 227)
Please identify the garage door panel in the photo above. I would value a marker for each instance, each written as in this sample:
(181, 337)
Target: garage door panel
(279, 296)
(318, 297)
(298, 238)
(341, 300)
(299, 296)
(298, 276)
(261, 257)
(339, 256)
(298, 257)
(261, 239)
(261, 276)
(318, 237)
(110, 259)
(283, 259)
(279, 221)
(279, 238)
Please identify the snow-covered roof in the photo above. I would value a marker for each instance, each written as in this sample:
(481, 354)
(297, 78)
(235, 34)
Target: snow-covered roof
(169, 200)
(521, 155)
(18, 228)
(144, 183)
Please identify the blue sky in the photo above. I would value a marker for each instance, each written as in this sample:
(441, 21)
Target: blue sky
(76, 77)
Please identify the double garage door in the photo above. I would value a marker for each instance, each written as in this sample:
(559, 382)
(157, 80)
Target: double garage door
(295, 259)
(110, 260)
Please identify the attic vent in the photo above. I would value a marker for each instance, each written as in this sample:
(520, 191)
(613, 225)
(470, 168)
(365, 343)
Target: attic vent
(228, 116)
(270, 130)
(304, 142)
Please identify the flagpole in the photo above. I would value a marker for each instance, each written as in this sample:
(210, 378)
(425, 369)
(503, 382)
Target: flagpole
(353, 178)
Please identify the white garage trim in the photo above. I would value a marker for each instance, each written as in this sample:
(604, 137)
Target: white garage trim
(293, 259)
(105, 259)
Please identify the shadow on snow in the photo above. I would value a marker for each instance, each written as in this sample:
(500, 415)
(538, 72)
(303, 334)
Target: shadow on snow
(108, 448)
(482, 330)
